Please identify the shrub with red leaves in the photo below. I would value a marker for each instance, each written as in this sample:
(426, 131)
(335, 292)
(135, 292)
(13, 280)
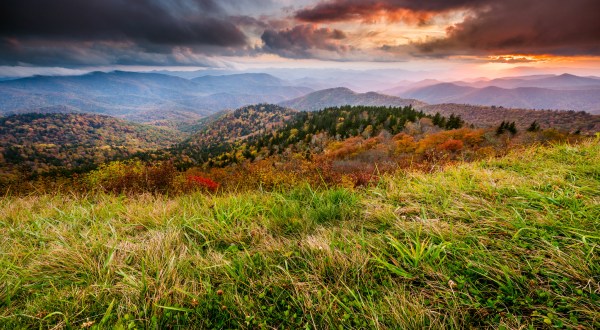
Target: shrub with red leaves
(206, 183)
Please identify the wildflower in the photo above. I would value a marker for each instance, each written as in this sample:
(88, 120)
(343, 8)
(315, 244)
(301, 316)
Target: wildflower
(451, 284)
(87, 324)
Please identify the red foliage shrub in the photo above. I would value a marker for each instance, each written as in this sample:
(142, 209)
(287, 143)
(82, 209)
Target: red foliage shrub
(206, 183)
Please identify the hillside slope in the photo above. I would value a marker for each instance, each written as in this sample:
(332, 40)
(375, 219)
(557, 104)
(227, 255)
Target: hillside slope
(42, 142)
(217, 135)
(491, 116)
(503, 243)
(242, 123)
(264, 130)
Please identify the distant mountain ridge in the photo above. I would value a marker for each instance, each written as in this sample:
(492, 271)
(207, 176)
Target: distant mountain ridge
(249, 83)
(341, 96)
(555, 92)
(521, 97)
(563, 81)
(142, 96)
(165, 100)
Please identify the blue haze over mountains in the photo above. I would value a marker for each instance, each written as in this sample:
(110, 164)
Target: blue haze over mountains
(147, 97)
(142, 96)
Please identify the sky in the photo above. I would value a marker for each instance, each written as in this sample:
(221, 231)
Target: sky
(449, 38)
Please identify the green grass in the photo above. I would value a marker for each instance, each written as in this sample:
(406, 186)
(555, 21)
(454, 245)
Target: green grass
(506, 243)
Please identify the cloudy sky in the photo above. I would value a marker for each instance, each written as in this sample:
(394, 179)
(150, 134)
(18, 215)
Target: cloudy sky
(466, 37)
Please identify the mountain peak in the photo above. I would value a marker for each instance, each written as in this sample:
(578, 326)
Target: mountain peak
(341, 96)
(345, 90)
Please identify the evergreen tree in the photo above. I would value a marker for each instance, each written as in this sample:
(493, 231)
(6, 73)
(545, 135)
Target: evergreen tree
(512, 128)
(454, 122)
(501, 128)
(534, 127)
(436, 119)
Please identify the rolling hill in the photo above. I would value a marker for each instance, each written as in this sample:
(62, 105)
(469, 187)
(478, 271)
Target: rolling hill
(261, 131)
(216, 135)
(242, 123)
(335, 97)
(38, 143)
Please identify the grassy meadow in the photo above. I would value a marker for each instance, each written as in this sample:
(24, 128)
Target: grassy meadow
(508, 243)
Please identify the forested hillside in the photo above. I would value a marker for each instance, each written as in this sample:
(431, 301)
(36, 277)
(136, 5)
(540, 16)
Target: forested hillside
(218, 135)
(264, 130)
(38, 143)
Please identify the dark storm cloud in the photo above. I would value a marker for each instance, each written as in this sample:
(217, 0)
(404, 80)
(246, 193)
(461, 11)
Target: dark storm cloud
(344, 10)
(178, 22)
(36, 26)
(526, 27)
(304, 41)
(509, 26)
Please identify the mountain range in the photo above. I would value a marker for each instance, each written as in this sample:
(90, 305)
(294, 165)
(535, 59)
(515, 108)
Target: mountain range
(142, 97)
(169, 100)
(563, 92)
